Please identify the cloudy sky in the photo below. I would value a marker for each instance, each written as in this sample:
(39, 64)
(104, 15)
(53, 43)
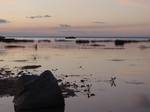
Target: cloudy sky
(75, 17)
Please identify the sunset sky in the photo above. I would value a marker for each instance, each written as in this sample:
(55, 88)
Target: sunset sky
(75, 17)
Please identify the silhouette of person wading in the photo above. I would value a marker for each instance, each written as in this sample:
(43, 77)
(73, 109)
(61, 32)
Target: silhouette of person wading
(112, 81)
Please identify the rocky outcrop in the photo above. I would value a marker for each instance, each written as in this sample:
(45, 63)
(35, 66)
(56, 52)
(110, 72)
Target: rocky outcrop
(38, 93)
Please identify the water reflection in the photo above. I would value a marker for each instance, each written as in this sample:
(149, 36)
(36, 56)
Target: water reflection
(76, 65)
(36, 47)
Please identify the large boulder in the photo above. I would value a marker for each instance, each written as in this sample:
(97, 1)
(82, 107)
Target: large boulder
(38, 94)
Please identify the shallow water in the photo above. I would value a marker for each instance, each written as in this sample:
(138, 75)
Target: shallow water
(130, 66)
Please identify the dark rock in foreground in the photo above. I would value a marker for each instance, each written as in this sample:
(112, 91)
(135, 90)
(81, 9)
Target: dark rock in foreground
(38, 94)
(7, 87)
(43, 110)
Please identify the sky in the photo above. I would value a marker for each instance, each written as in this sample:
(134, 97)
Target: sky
(75, 17)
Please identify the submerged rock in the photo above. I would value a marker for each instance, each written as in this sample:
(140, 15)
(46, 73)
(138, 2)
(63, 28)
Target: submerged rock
(82, 41)
(14, 46)
(44, 41)
(38, 93)
(123, 42)
(71, 37)
(31, 67)
(13, 40)
(2, 37)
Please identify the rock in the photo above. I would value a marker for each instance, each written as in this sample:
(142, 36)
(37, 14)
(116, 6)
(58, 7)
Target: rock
(7, 87)
(43, 110)
(123, 42)
(13, 46)
(95, 41)
(38, 93)
(82, 41)
(120, 42)
(2, 37)
(71, 37)
(48, 41)
(97, 45)
(13, 40)
(31, 67)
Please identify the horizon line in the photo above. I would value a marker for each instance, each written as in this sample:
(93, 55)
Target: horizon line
(78, 36)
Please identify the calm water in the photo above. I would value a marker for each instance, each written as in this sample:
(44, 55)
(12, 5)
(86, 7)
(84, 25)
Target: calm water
(83, 38)
(131, 67)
